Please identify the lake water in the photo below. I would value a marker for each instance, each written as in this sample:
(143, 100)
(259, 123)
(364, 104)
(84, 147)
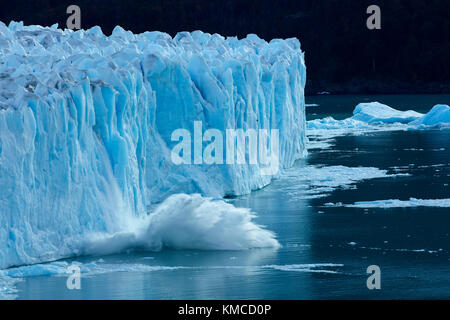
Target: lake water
(326, 249)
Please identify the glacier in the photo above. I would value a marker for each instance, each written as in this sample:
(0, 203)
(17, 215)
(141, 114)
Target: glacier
(85, 136)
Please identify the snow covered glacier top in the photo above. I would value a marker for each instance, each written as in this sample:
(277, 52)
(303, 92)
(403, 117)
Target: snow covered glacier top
(86, 123)
(38, 61)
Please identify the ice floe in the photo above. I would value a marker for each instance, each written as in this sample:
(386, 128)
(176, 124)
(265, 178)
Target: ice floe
(310, 182)
(395, 203)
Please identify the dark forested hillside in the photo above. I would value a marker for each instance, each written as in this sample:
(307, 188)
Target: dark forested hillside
(409, 54)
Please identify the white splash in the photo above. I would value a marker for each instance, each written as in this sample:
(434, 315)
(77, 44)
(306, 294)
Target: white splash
(187, 222)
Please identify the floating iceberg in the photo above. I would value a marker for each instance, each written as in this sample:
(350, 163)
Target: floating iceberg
(374, 112)
(367, 117)
(374, 117)
(439, 115)
(86, 123)
(321, 132)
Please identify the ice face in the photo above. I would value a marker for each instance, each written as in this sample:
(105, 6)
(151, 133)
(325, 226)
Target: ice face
(86, 123)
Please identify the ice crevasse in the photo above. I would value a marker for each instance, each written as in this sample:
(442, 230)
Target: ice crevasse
(85, 134)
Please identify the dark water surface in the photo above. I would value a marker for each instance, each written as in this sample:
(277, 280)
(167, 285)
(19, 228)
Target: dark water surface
(410, 245)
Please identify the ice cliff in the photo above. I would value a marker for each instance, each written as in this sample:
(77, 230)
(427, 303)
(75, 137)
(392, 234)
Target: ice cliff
(85, 133)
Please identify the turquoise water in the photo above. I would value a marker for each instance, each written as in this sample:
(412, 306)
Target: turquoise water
(325, 249)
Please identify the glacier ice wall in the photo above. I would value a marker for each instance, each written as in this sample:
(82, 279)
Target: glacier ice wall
(86, 123)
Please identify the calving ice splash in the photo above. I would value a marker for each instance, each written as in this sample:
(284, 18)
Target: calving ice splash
(263, 148)
(86, 128)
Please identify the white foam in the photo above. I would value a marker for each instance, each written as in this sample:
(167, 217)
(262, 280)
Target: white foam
(187, 222)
